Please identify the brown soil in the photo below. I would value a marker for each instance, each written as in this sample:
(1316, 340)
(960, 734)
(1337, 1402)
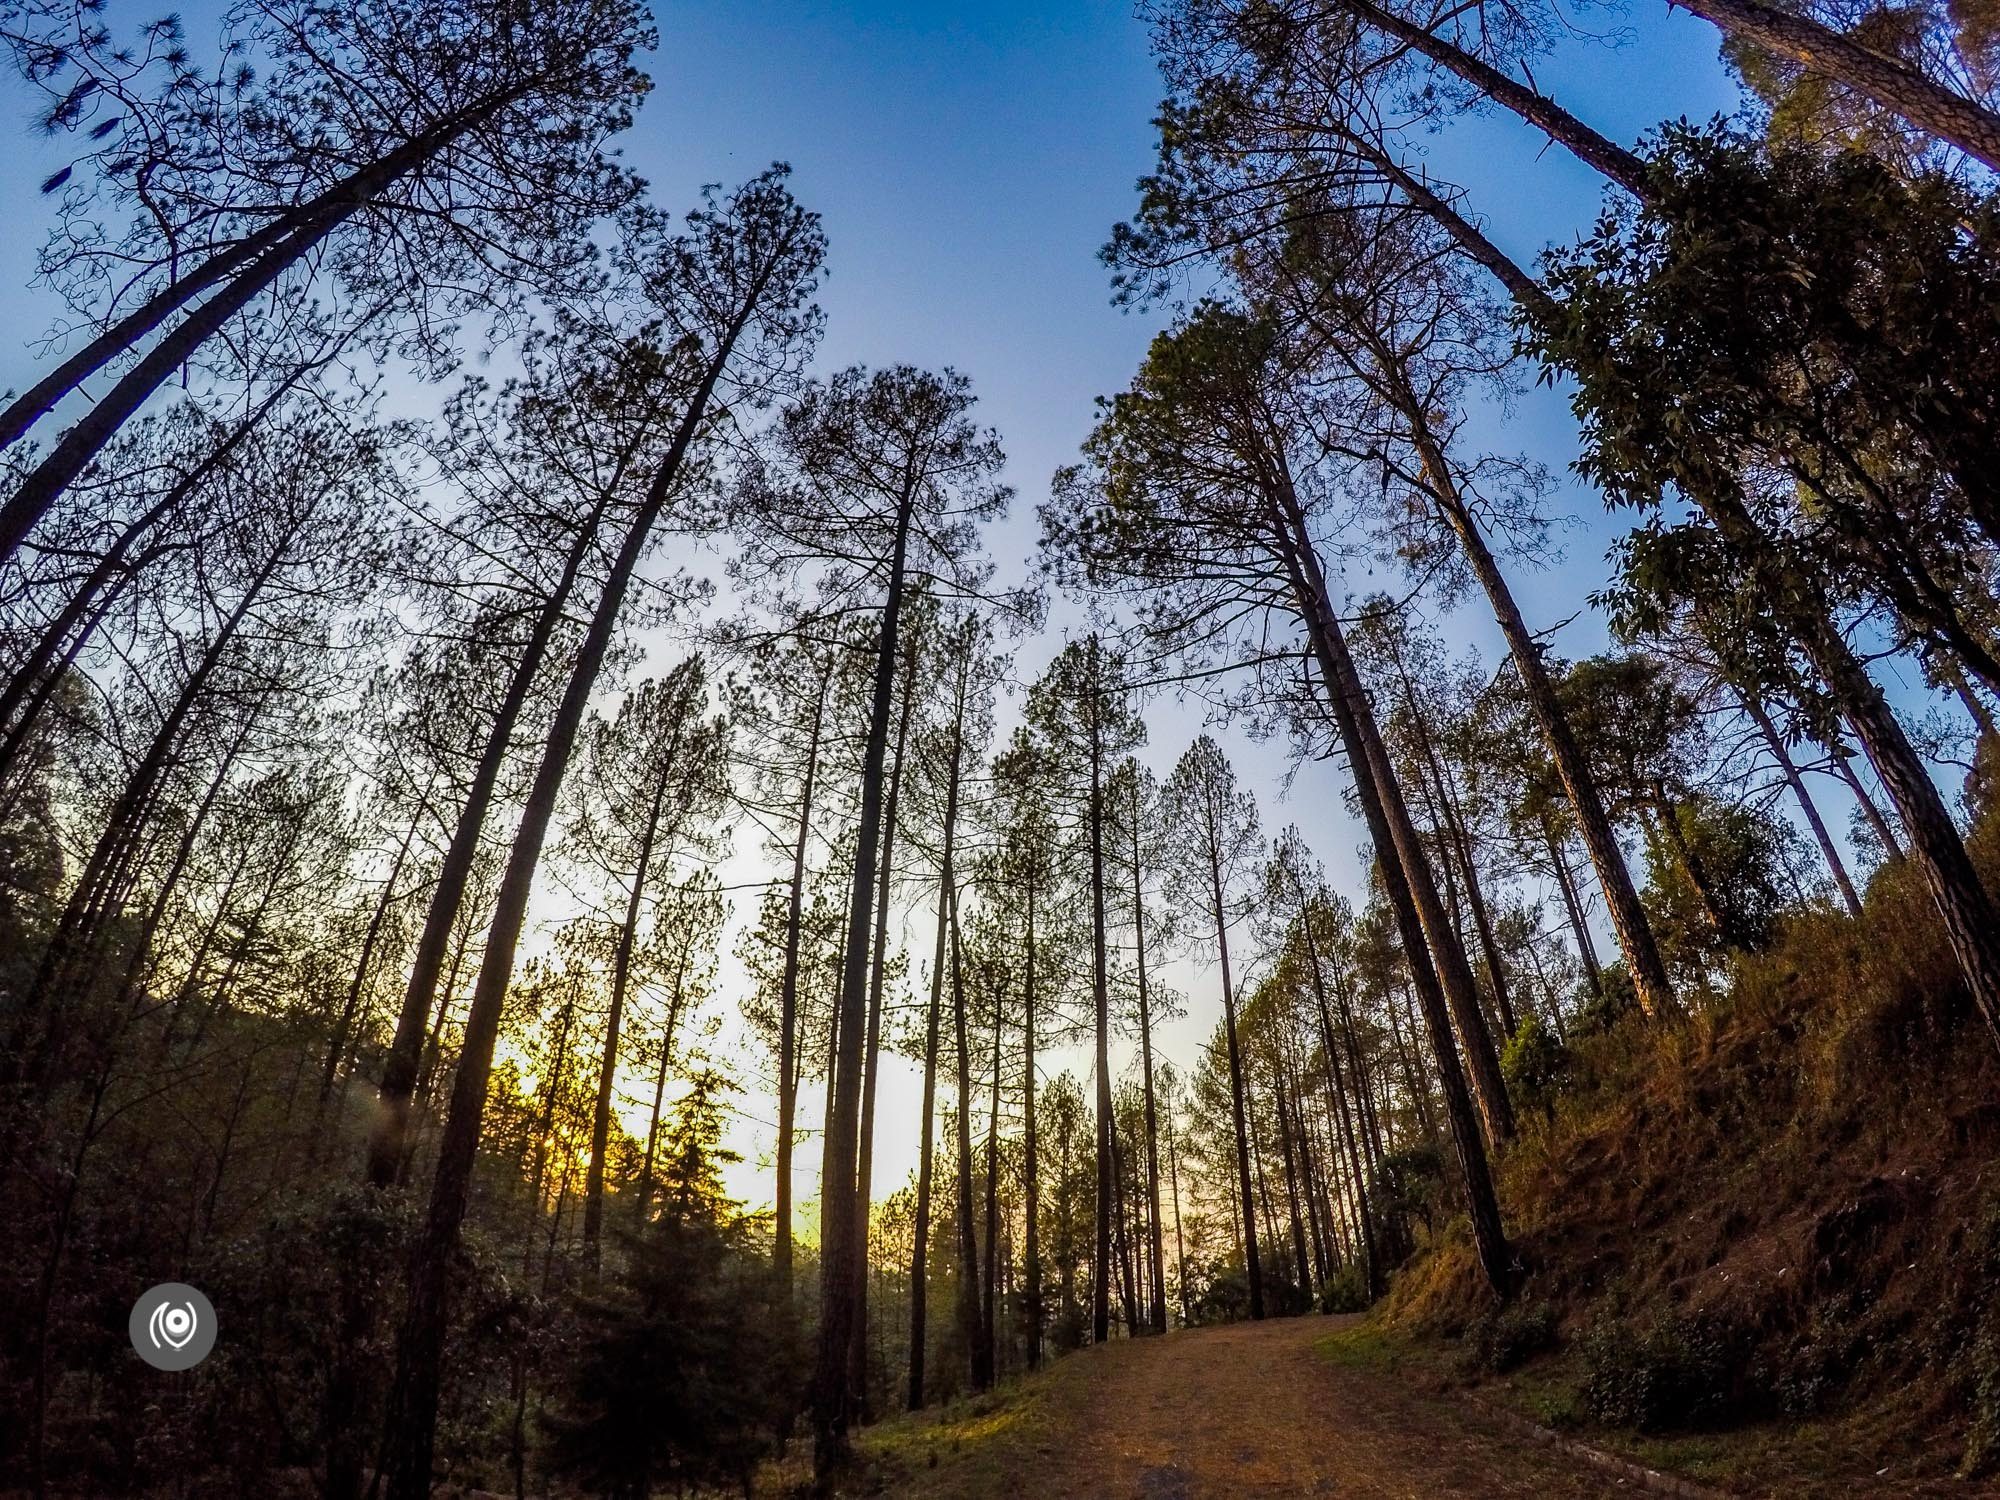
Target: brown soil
(1249, 1410)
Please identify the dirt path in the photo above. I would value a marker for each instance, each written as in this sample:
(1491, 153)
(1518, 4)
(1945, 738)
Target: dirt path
(1250, 1410)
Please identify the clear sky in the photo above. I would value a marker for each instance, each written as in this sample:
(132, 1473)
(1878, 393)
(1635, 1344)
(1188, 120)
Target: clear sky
(969, 160)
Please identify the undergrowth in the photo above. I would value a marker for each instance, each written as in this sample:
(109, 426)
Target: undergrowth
(1778, 1205)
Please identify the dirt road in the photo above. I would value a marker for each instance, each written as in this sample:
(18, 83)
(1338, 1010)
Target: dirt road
(1251, 1410)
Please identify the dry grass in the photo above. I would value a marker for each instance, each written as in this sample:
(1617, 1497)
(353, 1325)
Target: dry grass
(1806, 1167)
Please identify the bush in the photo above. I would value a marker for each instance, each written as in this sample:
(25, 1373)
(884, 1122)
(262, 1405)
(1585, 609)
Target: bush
(1615, 999)
(1512, 1334)
(682, 1375)
(1224, 1295)
(1535, 1064)
(1346, 1291)
(1411, 1184)
(1674, 1372)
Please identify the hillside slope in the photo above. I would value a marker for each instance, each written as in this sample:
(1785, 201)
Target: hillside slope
(1766, 1239)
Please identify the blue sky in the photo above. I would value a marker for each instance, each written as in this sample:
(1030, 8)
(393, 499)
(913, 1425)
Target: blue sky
(969, 160)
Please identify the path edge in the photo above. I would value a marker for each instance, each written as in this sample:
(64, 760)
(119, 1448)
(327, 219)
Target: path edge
(1647, 1479)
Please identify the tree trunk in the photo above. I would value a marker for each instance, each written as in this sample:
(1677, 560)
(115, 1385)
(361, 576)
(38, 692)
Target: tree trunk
(1975, 707)
(1828, 850)
(947, 905)
(1970, 921)
(864, 1168)
(1667, 818)
(1375, 789)
(244, 272)
(1621, 898)
(1030, 1163)
(1155, 1247)
(1435, 793)
(1121, 1237)
(91, 900)
(1412, 868)
(1594, 150)
(1586, 950)
(989, 1284)
(621, 979)
(841, 1215)
(419, 1370)
(1843, 768)
(77, 447)
(1293, 1184)
(1238, 1089)
(388, 1142)
(920, 1249)
(788, 1009)
(1180, 1242)
(1476, 246)
(643, 1194)
(28, 690)
(343, 1030)
(1338, 1095)
(969, 1323)
(1890, 82)
(1100, 1290)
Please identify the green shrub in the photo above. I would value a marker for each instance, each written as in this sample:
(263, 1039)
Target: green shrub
(1615, 998)
(1535, 1064)
(1411, 1184)
(1222, 1294)
(1346, 1291)
(1674, 1372)
(1511, 1334)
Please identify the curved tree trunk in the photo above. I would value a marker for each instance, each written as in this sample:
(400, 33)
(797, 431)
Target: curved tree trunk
(1889, 81)
(244, 272)
(1594, 150)
(1621, 897)
(388, 1140)
(1370, 775)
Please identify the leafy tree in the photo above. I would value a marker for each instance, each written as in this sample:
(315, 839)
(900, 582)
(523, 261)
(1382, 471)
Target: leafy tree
(678, 1377)
(1755, 537)
(735, 289)
(657, 776)
(1202, 509)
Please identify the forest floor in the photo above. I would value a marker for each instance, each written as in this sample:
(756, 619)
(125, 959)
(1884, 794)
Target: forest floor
(1251, 1409)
